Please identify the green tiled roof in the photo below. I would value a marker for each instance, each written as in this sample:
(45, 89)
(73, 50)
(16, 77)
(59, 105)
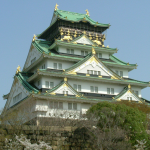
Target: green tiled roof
(121, 93)
(79, 45)
(45, 46)
(22, 77)
(114, 58)
(77, 17)
(127, 81)
(42, 46)
(59, 85)
(79, 63)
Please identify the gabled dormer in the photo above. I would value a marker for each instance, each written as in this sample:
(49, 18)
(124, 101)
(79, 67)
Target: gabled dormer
(91, 65)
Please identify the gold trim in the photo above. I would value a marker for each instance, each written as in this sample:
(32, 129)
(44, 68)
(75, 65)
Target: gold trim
(87, 12)
(129, 86)
(100, 76)
(93, 51)
(65, 79)
(56, 6)
(53, 93)
(87, 74)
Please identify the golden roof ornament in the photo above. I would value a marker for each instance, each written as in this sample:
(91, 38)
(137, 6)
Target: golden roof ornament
(65, 79)
(18, 69)
(34, 38)
(87, 12)
(93, 51)
(129, 86)
(56, 6)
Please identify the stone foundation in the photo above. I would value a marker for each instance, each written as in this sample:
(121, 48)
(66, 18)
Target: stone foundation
(67, 138)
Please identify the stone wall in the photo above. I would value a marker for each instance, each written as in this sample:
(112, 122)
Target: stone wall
(66, 138)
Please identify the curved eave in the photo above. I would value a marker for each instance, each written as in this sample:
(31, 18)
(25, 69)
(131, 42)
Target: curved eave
(88, 78)
(25, 84)
(87, 18)
(114, 58)
(89, 47)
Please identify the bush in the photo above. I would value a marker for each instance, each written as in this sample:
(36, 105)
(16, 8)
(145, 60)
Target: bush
(112, 116)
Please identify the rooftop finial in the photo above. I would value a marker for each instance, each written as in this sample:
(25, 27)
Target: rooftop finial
(56, 6)
(93, 51)
(129, 86)
(65, 79)
(18, 69)
(87, 12)
(34, 37)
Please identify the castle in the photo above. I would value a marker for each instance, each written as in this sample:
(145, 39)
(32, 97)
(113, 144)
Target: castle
(68, 68)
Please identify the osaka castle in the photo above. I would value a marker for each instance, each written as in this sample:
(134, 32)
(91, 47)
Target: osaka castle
(68, 68)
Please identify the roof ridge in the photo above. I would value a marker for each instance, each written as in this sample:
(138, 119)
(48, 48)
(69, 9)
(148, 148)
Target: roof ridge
(70, 12)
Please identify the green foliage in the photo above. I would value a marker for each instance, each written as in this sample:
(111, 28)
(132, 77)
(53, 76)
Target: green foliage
(121, 116)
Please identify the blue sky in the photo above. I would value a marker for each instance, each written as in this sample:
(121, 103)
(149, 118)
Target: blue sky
(129, 32)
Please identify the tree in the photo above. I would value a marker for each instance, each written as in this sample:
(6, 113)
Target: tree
(118, 119)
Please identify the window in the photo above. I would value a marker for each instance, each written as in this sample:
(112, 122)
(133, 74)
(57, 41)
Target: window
(56, 105)
(96, 89)
(116, 71)
(112, 90)
(93, 72)
(92, 88)
(46, 84)
(137, 93)
(43, 66)
(129, 98)
(72, 106)
(60, 105)
(75, 87)
(108, 90)
(60, 66)
(51, 84)
(33, 60)
(79, 88)
(121, 73)
(55, 65)
(17, 97)
(38, 83)
(65, 92)
(72, 51)
(99, 55)
(84, 53)
(68, 51)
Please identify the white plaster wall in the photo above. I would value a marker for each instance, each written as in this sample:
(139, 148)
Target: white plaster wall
(65, 64)
(32, 54)
(61, 89)
(125, 71)
(78, 51)
(124, 97)
(102, 87)
(50, 79)
(96, 68)
(137, 89)
(18, 88)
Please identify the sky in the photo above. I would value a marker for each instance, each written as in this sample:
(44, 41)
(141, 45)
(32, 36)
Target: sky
(129, 32)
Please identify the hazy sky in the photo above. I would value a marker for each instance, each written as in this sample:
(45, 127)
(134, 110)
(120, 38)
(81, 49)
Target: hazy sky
(129, 32)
